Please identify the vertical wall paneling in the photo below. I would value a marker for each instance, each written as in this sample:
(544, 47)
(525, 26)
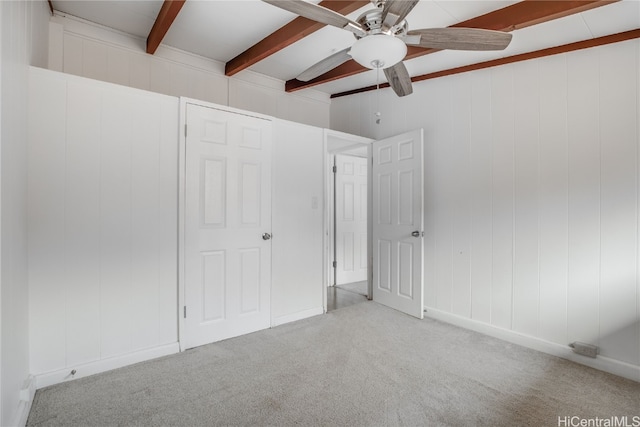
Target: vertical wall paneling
(378, 101)
(300, 109)
(160, 77)
(200, 87)
(94, 60)
(182, 81)
(118, 67)
(553, 199)
(550, 192)
(526, 217)
(38, 19)
(618, 253)
(364, 115)
(248, 96)
(297, 221)
(502, 110)
(72, 51)
(167, 187)
(396, 117)
(55, 52)
(103, 262)
(140, 72)
(461, 203)
(23, 42)
(443, 195)
(415, 116)
(145, 221)
(430, 208)
(47, 261)
(115, 223)
(86, 50)
(481, 196)
(637, 53)
(25, 327)
(340, 112)
(583, 315)
(82, 223)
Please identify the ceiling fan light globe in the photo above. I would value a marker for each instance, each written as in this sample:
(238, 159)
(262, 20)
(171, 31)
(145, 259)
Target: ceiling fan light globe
(378, 51)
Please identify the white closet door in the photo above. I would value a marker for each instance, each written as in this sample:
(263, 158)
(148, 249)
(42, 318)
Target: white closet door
(351, 219)
(227, 225)
(398, 222)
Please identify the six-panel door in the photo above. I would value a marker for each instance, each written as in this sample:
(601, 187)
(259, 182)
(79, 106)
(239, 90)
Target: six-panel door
(398, 222)
(227, 225)
(351, 219)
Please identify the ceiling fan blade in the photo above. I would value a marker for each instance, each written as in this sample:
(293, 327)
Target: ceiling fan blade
(327, 64)
(460, 38)
(395, 11)
(399, 79)
(319, 14)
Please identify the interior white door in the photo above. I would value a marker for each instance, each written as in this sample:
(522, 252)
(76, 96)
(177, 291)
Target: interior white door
(398, 222)
(351, 219)
(227, 251)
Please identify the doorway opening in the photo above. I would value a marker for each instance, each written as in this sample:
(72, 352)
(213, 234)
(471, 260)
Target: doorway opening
(348, 261)
(349, 284)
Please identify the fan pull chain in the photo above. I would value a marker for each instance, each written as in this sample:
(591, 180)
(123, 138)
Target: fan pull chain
(378, 114)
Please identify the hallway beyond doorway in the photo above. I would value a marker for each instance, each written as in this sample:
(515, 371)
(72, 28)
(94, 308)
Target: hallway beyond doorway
(345, 295)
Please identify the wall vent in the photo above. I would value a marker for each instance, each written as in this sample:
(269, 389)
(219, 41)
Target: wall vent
(584, 349)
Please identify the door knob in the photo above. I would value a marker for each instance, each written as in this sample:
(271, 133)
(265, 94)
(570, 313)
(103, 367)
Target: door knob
(416, 233)
(266, 236)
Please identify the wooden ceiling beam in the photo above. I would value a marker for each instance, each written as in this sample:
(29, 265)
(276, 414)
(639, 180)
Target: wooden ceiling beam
(513, 17)
(584, 44)
(166, 16)
(292, 32)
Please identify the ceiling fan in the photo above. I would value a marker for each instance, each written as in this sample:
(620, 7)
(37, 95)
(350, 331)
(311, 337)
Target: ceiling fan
(382, 35)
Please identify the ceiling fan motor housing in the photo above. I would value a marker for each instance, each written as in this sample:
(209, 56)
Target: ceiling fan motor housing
(372, 23)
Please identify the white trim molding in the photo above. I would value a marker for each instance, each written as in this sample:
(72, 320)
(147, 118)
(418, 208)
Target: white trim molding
(27, 393)
(92, 368)
(281, 320)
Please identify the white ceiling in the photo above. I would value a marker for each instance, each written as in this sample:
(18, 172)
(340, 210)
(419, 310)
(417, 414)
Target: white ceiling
(220, 30)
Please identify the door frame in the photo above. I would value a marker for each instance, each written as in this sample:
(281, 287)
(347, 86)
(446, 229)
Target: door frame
(182, 198)
(336, 142)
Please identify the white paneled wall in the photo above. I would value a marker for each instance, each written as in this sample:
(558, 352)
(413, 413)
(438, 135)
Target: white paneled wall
(532, 195)
(110, 63)
(298, 209)
(84, 49)
(102, 225)
(23, 41)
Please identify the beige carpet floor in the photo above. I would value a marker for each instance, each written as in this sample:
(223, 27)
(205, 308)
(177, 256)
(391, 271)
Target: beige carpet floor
(362, 365)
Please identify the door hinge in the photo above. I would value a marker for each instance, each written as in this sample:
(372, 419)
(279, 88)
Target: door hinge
(334, 169)
(185, 130)
(335, 264)
(185, 311)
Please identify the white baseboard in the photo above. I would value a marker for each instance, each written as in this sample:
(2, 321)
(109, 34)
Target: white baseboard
(91, 368)
(281, 320)
(606, 364)
(26, 399)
